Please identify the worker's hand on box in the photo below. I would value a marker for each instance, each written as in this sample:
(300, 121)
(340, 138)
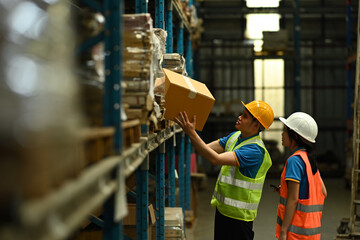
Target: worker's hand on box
(185, 123)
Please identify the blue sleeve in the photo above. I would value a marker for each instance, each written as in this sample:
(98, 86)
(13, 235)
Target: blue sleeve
(223, 140)
(250, 158)
(296, 171)
(295, 168)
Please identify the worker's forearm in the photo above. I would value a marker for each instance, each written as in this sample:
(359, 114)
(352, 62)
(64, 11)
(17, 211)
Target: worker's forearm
(289, 214)
(202, 149)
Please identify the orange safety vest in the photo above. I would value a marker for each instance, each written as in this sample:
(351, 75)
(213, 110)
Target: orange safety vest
(306, 222)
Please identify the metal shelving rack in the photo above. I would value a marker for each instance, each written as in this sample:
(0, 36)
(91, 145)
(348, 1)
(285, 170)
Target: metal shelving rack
(354, 223)
(60, 213)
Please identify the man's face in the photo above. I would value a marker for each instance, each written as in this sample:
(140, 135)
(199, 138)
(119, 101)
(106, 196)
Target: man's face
(245, 121)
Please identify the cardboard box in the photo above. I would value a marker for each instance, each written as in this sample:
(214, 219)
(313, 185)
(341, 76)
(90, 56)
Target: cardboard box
(130, 219)
(129, 222)
(185, 94)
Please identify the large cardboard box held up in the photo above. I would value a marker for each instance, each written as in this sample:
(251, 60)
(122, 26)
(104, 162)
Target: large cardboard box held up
(185, 94)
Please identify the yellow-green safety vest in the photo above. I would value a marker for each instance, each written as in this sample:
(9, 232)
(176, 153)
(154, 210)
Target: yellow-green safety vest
(235, 195)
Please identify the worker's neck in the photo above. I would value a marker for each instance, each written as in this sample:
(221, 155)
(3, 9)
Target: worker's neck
(248, 134)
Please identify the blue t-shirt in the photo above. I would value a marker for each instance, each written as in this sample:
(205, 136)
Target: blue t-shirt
(250, 156)
(296, 171)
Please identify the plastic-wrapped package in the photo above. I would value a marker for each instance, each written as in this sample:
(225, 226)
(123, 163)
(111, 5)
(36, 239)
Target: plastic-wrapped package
(40, 115)
(159, 51)
(138, 46)
(138, 68)
(175, 62)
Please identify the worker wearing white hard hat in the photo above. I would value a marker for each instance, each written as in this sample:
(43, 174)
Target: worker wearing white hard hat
(302, 191)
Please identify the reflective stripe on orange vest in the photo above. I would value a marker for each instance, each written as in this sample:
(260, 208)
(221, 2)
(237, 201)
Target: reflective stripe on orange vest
(304, 208)
(299, 230)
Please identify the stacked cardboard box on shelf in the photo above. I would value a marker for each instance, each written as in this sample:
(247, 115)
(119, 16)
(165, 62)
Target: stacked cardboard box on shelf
(137, 60)
(174, 224)
(175, 62)
(129, 221)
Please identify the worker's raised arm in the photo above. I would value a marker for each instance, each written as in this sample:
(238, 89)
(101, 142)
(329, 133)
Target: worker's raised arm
(215, 145)
(210, 152)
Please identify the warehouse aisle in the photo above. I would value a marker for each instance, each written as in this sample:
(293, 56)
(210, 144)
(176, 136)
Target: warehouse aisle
(336, 207)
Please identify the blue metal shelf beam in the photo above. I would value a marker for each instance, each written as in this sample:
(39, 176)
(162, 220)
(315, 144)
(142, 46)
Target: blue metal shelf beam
(189, 58)
(160, 192)
(169, 27)
(141, 6)
(142, 200)
(180, 38)
(171, 172)
(181, 156)
(188, 173)
(113, 68)
(159, 14)
(113, 11)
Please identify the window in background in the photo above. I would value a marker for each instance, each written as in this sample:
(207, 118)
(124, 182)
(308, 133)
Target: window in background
(269, 87)
(257, 23)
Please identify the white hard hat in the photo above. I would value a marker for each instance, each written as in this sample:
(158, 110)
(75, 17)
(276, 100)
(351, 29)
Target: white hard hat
(303, 124)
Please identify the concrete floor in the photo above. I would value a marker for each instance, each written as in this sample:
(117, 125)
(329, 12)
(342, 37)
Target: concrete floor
(336, 207)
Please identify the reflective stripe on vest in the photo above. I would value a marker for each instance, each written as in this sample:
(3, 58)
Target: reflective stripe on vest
(241, 183)
(304, 208)
(235, 203)
(299, 230)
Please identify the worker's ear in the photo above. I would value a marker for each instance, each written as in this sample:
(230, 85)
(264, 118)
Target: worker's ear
(258, 125)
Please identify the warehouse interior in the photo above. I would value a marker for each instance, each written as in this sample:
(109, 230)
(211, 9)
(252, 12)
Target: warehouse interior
(90, 88)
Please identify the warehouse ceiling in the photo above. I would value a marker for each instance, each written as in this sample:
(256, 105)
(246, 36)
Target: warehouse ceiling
(320, 20)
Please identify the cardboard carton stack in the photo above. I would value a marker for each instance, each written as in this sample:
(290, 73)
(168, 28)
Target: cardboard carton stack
(174, 223)
(175, 62)
(137, 69)
(129, 221)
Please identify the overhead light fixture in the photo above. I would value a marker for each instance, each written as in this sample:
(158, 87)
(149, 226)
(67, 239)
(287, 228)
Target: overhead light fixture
(262, 3)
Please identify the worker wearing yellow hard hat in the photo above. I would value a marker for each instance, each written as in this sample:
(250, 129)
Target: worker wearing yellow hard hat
(245, 162)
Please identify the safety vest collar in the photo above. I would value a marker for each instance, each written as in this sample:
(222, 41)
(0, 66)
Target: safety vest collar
(230, 144)
(235, 203)
(300, 230)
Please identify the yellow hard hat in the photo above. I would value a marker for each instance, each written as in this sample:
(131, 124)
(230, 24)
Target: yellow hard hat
(261, 111)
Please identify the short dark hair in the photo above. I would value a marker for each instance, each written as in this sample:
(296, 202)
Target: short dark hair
(255, 119)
